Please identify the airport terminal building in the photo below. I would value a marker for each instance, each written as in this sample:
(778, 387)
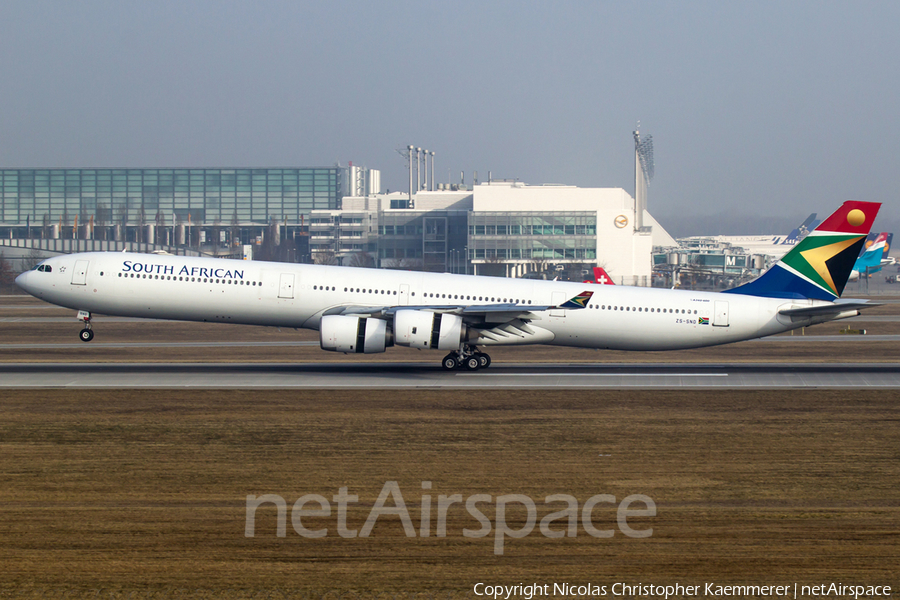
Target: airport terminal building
(155, 205)
(497, 228)
(334, 215)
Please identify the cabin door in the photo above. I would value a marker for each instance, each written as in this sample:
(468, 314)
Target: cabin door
(720, 317)
(79, 273)
(286, 286)
(556, 299)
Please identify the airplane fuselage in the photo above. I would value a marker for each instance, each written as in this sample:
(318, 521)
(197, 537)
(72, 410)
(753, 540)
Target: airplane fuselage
(298, 296)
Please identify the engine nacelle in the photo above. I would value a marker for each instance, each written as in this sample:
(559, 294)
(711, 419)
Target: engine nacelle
(425, 329)
(339, 333)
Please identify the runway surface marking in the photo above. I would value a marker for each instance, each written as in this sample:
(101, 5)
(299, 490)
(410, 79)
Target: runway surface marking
(476, 374)
(424, 375)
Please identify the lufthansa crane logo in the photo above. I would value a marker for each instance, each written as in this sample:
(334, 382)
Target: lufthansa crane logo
(621, 221)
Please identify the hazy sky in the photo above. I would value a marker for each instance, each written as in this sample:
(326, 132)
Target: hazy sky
(757, 109)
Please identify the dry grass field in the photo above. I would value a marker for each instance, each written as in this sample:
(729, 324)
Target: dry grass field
(142, 493)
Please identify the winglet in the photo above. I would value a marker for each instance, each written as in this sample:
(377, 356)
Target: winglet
(579, 301)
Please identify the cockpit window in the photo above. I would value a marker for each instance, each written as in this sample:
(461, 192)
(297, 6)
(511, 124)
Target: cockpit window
(45, 268)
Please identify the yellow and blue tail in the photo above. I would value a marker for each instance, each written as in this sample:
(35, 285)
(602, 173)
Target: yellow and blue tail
(819, 266)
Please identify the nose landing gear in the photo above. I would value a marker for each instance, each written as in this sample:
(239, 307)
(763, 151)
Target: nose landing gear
(467, 357)
(86, 334)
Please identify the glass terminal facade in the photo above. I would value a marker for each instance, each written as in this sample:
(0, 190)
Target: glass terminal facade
(526, 236)
(164, 197)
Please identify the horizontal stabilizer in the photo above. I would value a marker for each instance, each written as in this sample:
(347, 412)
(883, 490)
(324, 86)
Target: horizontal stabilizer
(828, 309)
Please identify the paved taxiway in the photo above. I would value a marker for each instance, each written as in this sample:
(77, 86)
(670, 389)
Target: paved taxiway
(423, 375)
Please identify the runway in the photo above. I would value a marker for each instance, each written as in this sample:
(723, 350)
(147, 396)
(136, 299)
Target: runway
(779, 339)
(422, 375)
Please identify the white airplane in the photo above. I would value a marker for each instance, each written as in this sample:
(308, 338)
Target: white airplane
(368, 310)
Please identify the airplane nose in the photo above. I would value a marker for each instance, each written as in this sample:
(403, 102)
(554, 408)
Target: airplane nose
(22, 281)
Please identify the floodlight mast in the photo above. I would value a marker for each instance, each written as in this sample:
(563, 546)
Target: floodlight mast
(643, 173)
(420, 154)
(418, 169)
(409, 150)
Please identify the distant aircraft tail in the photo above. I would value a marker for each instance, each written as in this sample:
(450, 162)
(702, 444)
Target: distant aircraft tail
(819, 266)
(885, 259)
(800, 232)
(601, 277)
(870, 261)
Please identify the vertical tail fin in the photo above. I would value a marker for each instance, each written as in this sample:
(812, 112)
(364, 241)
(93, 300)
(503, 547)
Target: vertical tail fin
(601, 277)
(819, 266)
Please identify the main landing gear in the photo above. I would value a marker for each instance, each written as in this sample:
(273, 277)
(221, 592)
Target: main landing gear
(467, 357)
(86, 334)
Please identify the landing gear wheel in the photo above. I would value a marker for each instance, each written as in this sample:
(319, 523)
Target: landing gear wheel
(484, 360)
(472, 363)
(86, 335)
(450, 363)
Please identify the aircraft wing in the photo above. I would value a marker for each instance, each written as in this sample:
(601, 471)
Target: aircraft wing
(495, 313)
(484, 313)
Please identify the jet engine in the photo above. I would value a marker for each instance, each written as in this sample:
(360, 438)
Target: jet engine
(362, 335)
(425, 329)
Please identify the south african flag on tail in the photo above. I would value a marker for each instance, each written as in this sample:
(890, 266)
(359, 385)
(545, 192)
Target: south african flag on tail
(819, 266)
